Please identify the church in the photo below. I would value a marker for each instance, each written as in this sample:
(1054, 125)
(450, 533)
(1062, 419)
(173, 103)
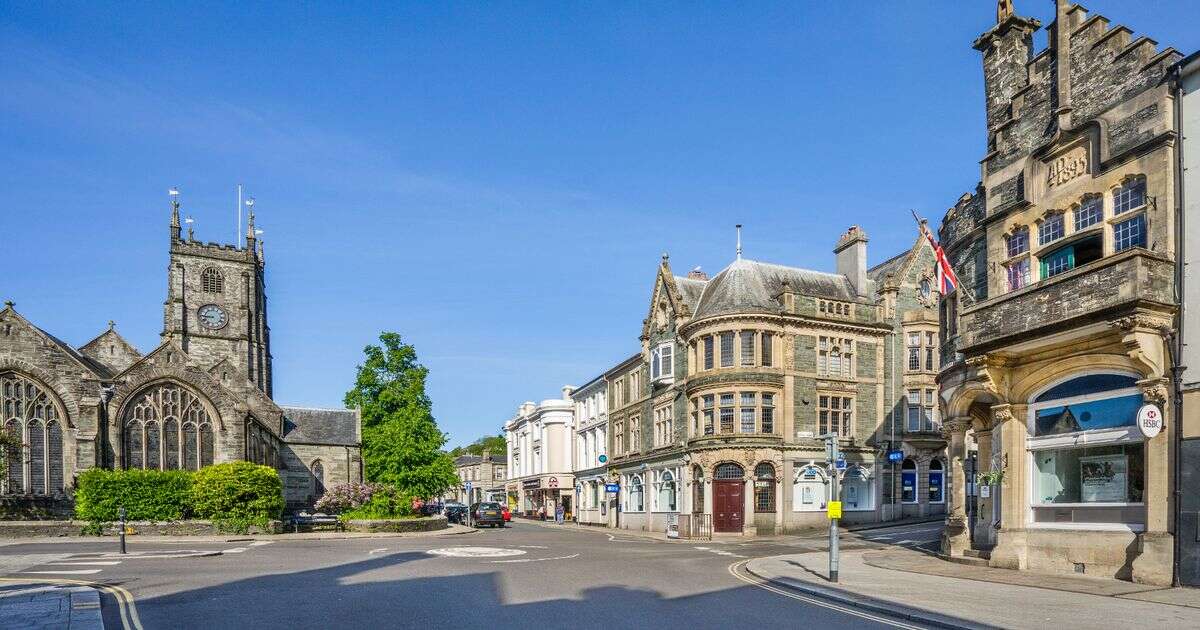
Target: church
(202, 396)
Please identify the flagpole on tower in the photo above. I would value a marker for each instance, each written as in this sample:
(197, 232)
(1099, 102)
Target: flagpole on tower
(237, 233)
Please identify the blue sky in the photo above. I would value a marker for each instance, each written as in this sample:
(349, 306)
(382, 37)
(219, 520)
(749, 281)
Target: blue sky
(494, 181)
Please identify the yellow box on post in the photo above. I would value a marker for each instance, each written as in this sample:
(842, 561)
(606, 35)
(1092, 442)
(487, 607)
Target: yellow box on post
(835, 509)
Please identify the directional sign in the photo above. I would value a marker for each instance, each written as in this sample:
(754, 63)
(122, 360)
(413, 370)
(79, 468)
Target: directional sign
(841, 464)
(603, 459)
(895, 456)
(612, 487)
(835, 509)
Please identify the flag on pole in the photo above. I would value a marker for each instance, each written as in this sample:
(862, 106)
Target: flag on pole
(947, 281)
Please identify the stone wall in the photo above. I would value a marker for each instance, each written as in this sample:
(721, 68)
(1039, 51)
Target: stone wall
(341, 464)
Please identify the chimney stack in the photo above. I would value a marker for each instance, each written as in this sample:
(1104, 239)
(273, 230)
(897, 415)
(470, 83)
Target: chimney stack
(851, 251)
(567, 390)
(697, 274)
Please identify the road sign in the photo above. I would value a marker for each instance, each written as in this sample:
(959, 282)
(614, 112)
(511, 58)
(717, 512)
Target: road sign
(612, 487)
(1150, 420)
(603, 459)
(895, 456)
(835, 509)
(841, 464)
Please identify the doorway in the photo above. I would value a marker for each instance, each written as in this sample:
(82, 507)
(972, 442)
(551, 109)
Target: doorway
(729, 499)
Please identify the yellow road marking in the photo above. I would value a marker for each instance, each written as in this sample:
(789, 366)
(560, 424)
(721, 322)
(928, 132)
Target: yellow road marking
(733, 570)
(125, 603)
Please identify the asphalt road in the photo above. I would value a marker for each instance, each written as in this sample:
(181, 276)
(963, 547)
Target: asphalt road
(524, 574)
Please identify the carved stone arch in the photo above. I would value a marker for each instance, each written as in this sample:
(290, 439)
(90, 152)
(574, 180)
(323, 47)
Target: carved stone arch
(64, 398)
(199, 383)
(967, 395)
(1040, 379)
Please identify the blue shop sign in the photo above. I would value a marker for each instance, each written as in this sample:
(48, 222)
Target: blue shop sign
(895, 456)
(611, 487)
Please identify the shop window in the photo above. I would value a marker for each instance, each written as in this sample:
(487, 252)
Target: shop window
(667, 487)
(810, 490)
(937, 482)
(908, 481)
(764, 488)
(1088, 456)
(858, 491)
(636, 500)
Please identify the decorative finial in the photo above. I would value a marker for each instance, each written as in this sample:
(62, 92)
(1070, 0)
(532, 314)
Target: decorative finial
(191, 234)
(111, 325)
(739, 241)
(666, 256)
(1004, 10)
(174, 193)
(9, 303)
(250, 219)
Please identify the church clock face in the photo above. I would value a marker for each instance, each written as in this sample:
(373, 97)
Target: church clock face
(212, 316)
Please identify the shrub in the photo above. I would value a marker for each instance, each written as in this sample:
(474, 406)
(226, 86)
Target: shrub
(346, 496)
(385, 502)
(237, 491)
(148, 495)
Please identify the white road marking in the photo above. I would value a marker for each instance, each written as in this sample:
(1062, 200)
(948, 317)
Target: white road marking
(701, 548)
(69, 563)
(379, 550)
(475, 552)
(68, 572)
(532, 547)
(235, 550)
(259, 543)
(574, 555)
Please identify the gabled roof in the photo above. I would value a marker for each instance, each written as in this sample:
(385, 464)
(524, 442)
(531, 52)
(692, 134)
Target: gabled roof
(96, 368)
(307, 425)
(467, 460)
(94, 350)
(748, 286)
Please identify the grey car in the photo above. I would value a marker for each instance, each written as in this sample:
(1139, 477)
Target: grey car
(487, 513)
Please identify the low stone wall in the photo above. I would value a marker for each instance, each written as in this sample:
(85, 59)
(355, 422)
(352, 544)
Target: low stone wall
(428, 524)
(33, 507)
(28, 529)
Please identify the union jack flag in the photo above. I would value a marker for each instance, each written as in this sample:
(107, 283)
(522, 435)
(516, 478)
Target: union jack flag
(947, 281)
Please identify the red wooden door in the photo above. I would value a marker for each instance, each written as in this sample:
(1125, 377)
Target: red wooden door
(729, 502)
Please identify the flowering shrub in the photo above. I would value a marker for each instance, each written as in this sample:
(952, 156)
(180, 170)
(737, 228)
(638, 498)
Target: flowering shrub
(346, 496)
(386, 503)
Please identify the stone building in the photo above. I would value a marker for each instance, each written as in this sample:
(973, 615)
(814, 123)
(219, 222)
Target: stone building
(202, 396)
(1057, 333)
(484, 474)
(540, 440)
(717, 422)
(590, 458)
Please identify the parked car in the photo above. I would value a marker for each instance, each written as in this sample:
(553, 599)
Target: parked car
(488, 514)
(507, 514)
(455, 512)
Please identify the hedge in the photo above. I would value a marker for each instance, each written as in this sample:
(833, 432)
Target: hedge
(237, 491)
(148, 495)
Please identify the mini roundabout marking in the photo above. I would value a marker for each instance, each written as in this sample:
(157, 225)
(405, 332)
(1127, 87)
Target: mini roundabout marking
(476, 552)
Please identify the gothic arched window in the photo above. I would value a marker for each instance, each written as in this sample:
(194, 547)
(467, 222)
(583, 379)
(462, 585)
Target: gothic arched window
(34, 417)
(211, 280)
(154, 438)
(206, 445)
(318, 472)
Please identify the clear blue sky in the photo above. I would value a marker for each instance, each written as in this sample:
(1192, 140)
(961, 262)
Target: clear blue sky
(494, 181)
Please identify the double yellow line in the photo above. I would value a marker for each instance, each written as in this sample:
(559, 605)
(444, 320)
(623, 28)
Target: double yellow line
(128, 609)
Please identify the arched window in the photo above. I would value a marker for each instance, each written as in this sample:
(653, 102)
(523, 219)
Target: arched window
(729, 470)
(636, 501)
(858, 491)
(211, 280)
(764, 488)
(154, 438)
(318, 472)
(1086, 449)
(33, 416)
(810, 490)
(666, 492)
(697, 490)
(908, 481)
(937, 482)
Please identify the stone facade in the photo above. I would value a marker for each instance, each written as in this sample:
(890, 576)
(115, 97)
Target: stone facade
(540, 439)
(590, 457)
(201, 397)
(716, 423)
(1065, 252)
(1187, 98)
(486, 476)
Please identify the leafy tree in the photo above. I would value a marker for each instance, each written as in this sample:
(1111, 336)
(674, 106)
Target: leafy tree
(400, 439)
(496, 445)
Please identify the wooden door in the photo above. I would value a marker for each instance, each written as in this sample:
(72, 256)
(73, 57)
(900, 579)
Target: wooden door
(729, 503)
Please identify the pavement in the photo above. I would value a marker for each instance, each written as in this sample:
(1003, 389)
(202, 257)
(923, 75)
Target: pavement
(40, 606)
(920, 587)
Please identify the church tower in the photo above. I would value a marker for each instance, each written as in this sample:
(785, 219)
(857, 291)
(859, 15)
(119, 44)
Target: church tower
(216, 307)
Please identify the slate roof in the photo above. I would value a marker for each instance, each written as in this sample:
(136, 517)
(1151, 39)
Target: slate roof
(100, 369)
(303, 425)
(749, 286)
(690, 290)
(467, 460)
(891, 265)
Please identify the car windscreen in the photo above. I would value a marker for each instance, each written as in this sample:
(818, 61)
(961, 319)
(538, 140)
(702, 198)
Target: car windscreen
(489, 506)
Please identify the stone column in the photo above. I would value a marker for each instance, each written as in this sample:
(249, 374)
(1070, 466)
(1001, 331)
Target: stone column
(1009, 433)
(748, 526)
(955, 535)
(1153, 565)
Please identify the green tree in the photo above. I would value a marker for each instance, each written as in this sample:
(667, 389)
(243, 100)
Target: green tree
(400, 439)
(496, 445)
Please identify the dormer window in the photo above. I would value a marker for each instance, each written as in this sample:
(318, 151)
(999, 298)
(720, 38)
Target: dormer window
(211, 280)
(662, 362)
